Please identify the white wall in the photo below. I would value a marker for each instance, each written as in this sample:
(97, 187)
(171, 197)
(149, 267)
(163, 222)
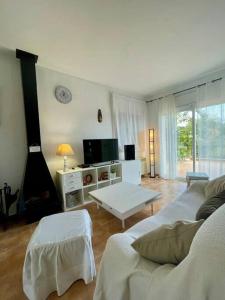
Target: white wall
(72, 122)
(12, 121)
(59, 123)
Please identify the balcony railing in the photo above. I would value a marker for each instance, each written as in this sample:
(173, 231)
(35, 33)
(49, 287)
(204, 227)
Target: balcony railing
(213, 167)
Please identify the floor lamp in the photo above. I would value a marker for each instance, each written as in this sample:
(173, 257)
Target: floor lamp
(152, 152)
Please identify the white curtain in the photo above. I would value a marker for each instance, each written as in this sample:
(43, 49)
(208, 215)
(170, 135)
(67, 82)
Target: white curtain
(167, 137)
(129, 123)
(210, 129)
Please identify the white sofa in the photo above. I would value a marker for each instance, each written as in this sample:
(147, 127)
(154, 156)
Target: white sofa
(125, 275)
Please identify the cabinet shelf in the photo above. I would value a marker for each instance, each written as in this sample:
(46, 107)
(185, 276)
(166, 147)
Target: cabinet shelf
(103, 181)
(116, 178)
(89, 185)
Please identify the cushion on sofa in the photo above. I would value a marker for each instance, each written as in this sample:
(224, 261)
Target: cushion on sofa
(208, 207)
(214, 187)
(169, 243)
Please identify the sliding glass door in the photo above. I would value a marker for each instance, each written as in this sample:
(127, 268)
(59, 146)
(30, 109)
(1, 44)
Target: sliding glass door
(201, 140)
(185, 141)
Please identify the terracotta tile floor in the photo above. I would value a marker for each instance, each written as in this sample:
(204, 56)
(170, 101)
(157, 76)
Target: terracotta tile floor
(13, 243)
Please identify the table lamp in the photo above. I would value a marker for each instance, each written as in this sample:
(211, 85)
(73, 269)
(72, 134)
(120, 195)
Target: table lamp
(65, 150)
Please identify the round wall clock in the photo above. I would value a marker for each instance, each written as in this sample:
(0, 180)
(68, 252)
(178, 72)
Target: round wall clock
(63, 94)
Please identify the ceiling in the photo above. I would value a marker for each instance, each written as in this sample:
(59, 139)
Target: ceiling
(137, 46)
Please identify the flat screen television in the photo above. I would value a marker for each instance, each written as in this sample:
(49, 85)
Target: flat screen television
(100, 150)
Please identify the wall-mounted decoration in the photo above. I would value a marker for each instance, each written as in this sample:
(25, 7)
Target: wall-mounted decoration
(63, 94)
(99, 116)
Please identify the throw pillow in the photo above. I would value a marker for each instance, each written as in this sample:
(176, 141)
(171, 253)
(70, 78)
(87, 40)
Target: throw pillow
(168, 243)
(208, 207)
(215, 186)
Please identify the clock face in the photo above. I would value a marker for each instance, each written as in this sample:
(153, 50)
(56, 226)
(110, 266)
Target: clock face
(63, 94)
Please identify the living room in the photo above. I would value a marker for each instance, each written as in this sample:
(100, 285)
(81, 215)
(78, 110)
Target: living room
(112, 129)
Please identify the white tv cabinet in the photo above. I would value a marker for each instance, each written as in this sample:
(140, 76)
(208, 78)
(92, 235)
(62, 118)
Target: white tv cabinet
(73, 189)
(75, 192)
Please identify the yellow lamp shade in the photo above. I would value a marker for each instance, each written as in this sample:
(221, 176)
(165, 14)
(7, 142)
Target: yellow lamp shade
(64, 150)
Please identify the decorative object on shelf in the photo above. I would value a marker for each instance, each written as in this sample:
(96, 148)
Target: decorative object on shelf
(103, 176)
(83, 166)
(151, 133)
(87, 179)
(99, 116)
(63, 94)
(65, 150)
(113, 173)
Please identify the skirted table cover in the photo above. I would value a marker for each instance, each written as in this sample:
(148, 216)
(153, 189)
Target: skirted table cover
(59, 253)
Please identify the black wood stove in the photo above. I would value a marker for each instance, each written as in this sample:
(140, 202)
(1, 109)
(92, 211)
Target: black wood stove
(39, 197)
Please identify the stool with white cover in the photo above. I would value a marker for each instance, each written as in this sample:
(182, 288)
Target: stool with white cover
(59, 253)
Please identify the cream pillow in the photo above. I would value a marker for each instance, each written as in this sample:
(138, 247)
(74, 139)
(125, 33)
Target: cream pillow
(214, 187)
(168, 243)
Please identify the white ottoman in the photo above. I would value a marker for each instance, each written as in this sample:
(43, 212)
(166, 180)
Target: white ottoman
(59, 253)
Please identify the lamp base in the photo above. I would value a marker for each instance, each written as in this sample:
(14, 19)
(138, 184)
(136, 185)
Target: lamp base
(65, 168)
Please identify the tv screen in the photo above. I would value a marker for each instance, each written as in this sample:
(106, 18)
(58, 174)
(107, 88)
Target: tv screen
(100, 150)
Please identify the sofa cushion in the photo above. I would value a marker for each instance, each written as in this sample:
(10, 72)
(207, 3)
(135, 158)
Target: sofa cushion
(214, 187)
(169, 243)
(208, 207)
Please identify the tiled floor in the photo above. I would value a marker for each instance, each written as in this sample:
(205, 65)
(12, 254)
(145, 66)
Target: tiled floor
(13, 243)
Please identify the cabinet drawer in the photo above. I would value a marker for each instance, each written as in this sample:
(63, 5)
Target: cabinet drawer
(72, 181)
(72, 176)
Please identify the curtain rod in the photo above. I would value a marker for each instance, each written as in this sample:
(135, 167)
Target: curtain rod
(188, 89)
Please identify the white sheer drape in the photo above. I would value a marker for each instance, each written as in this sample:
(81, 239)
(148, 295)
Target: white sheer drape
(129, 123)
(210, 129)
(167, 137)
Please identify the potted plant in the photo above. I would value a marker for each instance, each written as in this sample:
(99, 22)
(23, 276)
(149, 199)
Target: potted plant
(113, 172)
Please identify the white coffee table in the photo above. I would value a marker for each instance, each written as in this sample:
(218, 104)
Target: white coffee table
(123, 199)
